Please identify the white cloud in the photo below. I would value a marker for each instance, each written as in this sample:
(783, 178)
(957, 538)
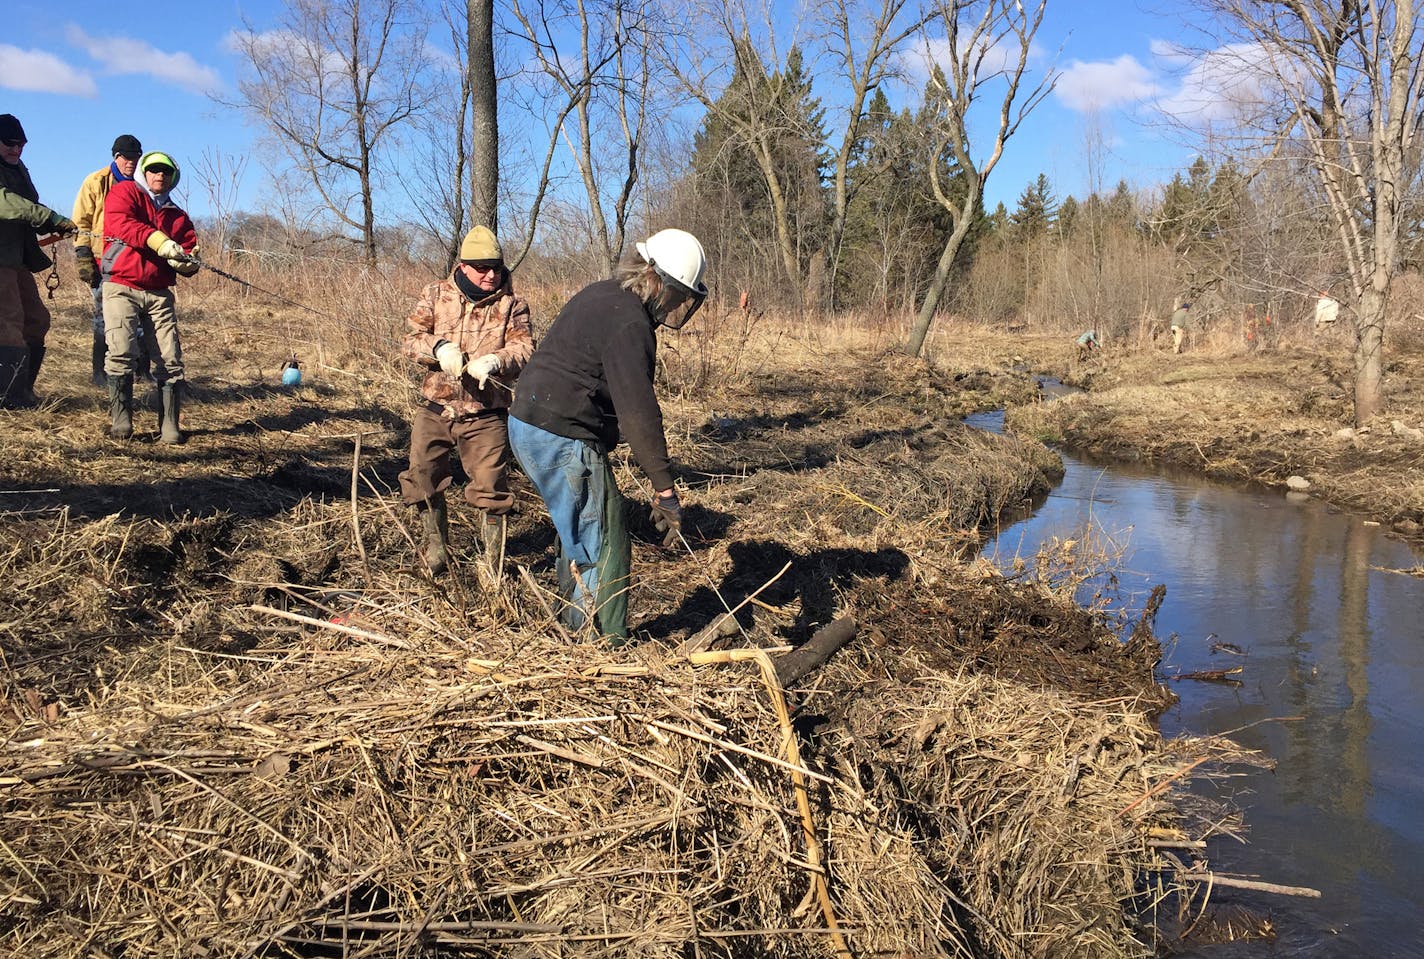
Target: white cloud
(287, 47)
(1088, 86)
(998, 57)
(39, 72)
(122, 56)
(1230, 82)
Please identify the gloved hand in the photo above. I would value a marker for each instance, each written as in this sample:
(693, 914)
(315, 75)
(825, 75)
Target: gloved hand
(61, 224)
(84, 265)
(185, 267)
(160, 243)
(451, 360)
(667, 517)
(482, 368)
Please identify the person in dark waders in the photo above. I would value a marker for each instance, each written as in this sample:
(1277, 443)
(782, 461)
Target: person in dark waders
(24, 319)
(471, 333)
(590, 379)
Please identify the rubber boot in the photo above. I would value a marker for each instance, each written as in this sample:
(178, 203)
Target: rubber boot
(14, 378)
(36, 358)
(492, 533)
(99, 350)
(436, 521)
(121, 406)
(171, 406)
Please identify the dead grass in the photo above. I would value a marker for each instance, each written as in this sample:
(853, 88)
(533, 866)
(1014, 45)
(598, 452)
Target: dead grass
(240, 721)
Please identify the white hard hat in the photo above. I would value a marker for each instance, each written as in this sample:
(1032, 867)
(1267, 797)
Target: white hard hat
(677, 256)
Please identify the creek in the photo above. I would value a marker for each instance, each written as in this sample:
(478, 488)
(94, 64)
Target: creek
(1326, 630)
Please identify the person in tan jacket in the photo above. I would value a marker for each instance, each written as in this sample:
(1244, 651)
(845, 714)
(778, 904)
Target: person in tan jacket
(472, 334)
(88, 216)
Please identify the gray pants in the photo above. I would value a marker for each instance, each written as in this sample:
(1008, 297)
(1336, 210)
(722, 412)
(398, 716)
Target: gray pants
(141, 318)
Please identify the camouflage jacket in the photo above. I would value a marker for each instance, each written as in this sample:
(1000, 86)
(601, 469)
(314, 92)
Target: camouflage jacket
(498, 324)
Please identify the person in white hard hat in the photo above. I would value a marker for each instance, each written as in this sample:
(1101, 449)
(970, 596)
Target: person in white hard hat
(589, 381)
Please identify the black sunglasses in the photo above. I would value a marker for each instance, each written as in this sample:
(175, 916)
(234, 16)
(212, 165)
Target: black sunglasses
(165, 170)
(13, 143)
(129, 156)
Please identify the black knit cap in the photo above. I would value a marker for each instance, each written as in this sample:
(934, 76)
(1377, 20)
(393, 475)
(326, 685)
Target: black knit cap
(10, 128)
(127, 143)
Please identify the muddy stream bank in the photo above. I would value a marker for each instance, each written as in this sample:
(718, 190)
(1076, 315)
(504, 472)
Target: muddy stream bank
(1308, 620)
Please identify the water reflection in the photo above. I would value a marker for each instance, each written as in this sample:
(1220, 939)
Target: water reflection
(1330, 671)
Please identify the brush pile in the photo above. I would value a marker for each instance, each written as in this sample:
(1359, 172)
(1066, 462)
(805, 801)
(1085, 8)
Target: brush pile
(374, 789)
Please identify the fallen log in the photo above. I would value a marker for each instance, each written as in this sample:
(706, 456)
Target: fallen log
(811, 654)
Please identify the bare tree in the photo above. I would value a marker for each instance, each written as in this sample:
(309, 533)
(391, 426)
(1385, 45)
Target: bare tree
(864, 37)
(605, 85)
(484, 114)
(331, 85)
(1338, 82)
(995, 47)
(730, 64)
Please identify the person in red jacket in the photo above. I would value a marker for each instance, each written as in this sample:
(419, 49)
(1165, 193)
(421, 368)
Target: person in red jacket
(149, 240)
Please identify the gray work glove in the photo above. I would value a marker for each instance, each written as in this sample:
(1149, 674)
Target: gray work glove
(667, 518)
(84, 265)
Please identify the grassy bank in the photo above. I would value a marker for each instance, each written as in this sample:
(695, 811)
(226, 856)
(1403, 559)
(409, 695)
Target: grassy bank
(1259, 416)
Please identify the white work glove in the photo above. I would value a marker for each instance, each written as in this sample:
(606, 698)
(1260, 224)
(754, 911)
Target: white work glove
(450, 358)
(170, 250)
(482, 368)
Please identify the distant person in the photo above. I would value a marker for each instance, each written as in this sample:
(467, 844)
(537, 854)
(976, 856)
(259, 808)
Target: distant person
(1087, 344)
(590, 381)
(472, 334)
(1327, 310)
(89, 218)
(152, 241)
(1179, 325)
(24, 319)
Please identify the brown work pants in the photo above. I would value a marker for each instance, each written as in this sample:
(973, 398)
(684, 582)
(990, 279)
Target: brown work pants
(482, 442)
(24, 319)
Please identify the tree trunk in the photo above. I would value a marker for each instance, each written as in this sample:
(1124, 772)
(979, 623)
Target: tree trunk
(938, 282)
(484, 116)
(1369, 355)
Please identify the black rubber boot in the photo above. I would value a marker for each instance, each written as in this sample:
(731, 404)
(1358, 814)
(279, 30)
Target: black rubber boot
(36, 358)
(98, 351)
(14, 378)
(168, 412)
(121, 406)
(436, 522)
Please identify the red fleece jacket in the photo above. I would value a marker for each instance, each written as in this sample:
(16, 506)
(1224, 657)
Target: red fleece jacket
(130, 218)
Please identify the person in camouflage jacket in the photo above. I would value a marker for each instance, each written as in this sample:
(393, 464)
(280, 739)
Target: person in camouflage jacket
(472, 334)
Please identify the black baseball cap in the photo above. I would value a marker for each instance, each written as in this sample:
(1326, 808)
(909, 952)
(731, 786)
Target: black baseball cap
(126, 144)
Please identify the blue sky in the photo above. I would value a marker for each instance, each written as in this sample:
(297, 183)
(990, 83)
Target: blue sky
(78, 74)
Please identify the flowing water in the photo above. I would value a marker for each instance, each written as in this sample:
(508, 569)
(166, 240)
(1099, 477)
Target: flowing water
(1331, 685)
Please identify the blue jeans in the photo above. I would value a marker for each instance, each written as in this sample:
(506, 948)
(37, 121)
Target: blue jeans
(579, 491)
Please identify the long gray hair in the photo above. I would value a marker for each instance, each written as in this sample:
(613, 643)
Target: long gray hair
(638, 276)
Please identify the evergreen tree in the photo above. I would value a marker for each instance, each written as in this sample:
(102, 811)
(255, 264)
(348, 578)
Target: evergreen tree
(759, 163)
(1037, 208)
